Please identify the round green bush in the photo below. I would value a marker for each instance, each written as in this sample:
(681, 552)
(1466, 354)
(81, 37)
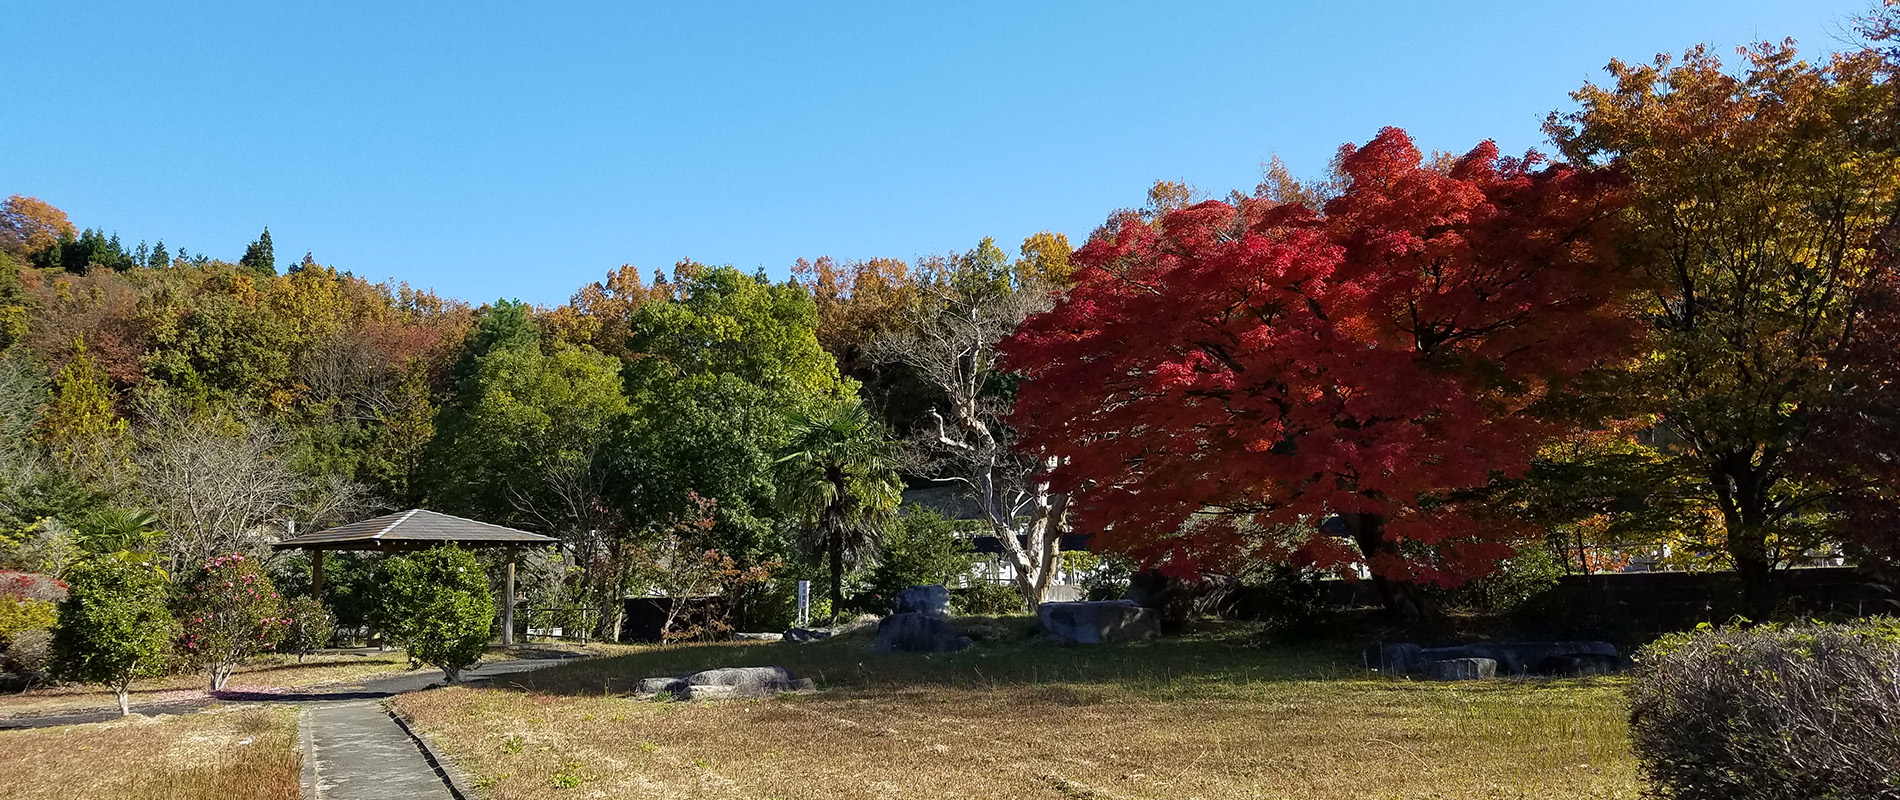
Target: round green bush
(438, 605)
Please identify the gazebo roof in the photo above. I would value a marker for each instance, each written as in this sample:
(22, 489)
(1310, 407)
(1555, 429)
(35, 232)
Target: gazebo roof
(412, 530)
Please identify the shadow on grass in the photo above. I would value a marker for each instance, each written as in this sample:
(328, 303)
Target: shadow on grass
(1220, 656)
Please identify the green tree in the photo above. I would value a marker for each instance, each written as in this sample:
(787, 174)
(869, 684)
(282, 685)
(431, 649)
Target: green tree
(113, 626)
(719, 368)
(837, 479)
(259, 259)
(160, 258)
(437, 603)
(921, 548)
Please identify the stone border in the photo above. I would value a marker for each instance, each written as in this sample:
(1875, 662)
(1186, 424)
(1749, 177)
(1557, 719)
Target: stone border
(444, 768)
(308, 747)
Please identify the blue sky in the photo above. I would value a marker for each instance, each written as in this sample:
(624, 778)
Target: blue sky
(502, 150)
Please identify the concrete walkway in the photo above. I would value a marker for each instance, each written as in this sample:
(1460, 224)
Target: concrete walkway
(357, 752)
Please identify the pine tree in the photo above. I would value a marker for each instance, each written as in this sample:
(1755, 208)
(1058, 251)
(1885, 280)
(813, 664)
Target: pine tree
(258, 257)
(160, 259)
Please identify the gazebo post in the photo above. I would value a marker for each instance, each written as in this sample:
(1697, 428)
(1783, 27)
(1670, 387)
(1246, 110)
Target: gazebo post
(508, 600)
(316, 573)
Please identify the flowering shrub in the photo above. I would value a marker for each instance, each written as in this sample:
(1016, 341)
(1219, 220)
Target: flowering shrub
(230, 612)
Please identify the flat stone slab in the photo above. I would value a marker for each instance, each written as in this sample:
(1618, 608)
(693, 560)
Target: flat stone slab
(362, 754)
(724, 684)
(1464, 669)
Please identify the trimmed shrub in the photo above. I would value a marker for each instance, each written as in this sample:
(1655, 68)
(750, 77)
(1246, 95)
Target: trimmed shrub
(28, 655)
(1807, 712)
(985, 599)
(311, 627)
(230, 612)
(437, 603)
(114, 626)
(1290, 600)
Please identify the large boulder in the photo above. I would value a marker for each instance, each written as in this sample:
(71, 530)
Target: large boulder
(1395, 659)
(1099, 621)
(933, 599)
(919, 632)
(1464, 669)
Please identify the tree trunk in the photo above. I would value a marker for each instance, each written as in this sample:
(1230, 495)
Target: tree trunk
(835, 546)
(1741, 489)
(125, 700)
(1401, 598)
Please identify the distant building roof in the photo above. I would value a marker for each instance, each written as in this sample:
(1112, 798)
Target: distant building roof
(412, 530)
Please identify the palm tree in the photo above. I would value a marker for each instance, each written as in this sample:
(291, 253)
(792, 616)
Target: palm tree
(836, 476)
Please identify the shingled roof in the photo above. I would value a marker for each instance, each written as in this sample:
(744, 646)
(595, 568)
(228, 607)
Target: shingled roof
(409, 530)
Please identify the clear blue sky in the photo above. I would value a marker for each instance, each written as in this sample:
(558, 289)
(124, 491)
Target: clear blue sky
(523, 150)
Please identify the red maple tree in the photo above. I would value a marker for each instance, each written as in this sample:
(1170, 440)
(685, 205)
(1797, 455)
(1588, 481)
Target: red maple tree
(1216, 385)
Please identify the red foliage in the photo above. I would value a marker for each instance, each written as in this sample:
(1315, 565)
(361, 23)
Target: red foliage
(1279, 366)
(31, 586)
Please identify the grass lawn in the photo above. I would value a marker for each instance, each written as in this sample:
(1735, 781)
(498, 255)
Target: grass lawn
(1208, 716)
(267, 674)
(241, 753)
(272, 674)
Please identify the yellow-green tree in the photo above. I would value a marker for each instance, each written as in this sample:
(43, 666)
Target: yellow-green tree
(82, 426)
(1758, 200)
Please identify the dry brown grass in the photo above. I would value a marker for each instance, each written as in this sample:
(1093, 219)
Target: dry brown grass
(242, 753)
(1203, 718)
(267, 674)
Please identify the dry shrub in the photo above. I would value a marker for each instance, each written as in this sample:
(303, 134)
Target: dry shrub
(1808, 712)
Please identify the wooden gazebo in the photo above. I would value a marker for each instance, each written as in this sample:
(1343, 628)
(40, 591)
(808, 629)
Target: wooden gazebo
(419, 529)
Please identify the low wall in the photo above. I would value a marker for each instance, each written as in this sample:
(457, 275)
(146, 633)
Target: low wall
(1655, 602)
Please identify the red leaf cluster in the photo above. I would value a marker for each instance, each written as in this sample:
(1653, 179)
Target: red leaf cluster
(31, 586)
(1267, 364)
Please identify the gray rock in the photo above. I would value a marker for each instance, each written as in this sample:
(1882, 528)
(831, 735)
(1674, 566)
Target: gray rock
(1099, 621)
(1518, 658)
(918, 632)
(933, 599)
(758, 637)
(773, 678)
(1464, 669)
(653, 686)
(803, 635)
(709, 692)
(1395, 659)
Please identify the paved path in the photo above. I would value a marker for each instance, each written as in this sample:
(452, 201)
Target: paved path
(357, 752)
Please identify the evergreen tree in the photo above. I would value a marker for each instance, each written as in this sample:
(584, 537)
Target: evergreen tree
(82, 426)
(160, 259)
(258, 257)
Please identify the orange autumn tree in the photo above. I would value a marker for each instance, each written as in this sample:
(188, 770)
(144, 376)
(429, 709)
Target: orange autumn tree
(1215, 386)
